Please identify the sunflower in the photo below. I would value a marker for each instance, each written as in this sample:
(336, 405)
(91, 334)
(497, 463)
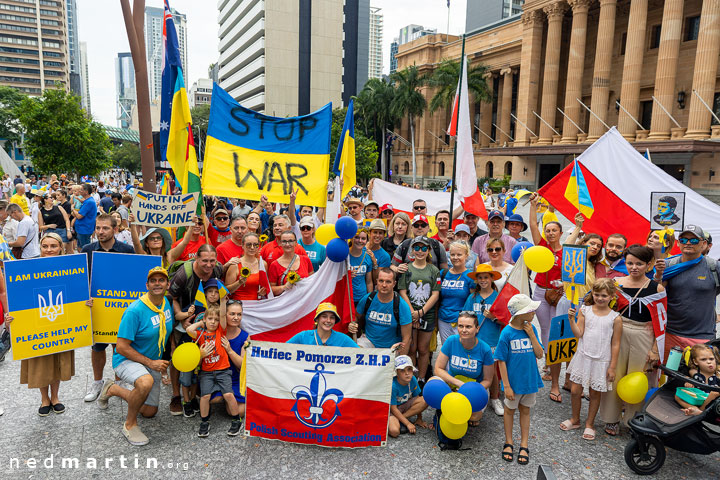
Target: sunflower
(263, 238)
(293, 277)
(244, 272)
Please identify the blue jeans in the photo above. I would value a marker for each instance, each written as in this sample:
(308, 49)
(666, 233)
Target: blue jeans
(82, 239)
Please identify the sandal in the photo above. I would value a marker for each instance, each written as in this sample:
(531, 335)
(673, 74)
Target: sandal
(612, 429)
(567, 425)
(556, 397)
(546, 376)
(507, 456)
(473, 423)
(523, 459)
(566, 388)
(589, 434)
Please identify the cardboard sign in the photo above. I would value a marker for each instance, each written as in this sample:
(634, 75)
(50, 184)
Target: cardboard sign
(562, 342)
(117, 280)
(667, 210)
(46, 297)
(155, 210)
(574, 264)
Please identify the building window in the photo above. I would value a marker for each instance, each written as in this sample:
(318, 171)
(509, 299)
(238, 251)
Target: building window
(406, 168)
(655, 37)
(716, 108)
(692, 28)
(489, 170)
(441, 169)
(508, 168)
(646, 114)
(623, 42)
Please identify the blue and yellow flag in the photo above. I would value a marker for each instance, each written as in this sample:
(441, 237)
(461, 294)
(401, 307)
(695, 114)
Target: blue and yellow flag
(5, 253)
(345, 156)
(577, 191)
(248, 154)
(200, 294)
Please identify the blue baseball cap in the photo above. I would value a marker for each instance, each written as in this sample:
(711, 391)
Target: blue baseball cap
(496, 214)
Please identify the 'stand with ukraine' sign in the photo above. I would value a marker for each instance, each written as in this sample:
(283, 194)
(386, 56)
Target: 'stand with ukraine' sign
(117, 280)
(327, 396)
(248, 154)
(46, 297)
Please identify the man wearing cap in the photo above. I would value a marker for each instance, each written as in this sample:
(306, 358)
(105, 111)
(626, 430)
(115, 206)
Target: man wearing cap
(142, 335)
(515, 224)
(372, 209)
(326, 316)
(691, 281)
(403, 253)
(378, 232)
(355, 208)
(219, 229)
(230, 251)
(387, 212)
(496, 224)
(85, 216)
(385, 316)
(315, 250)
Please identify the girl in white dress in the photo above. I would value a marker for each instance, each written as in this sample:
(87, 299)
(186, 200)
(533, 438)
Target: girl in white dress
(598, 330)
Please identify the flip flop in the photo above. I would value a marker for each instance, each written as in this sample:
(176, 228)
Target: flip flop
(588, 434)
(567, 425)
(612, 429)
(556, 397)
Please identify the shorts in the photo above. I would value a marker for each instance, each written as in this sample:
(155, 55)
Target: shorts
(215, 380)
(129, 371)
(59, 231)
(187, 379)
(427, 324)
(404, 407)
(83, 239)
(526, 400)
(99, 347)
(446, 330)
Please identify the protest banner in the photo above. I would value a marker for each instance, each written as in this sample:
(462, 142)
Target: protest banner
(327, 396)
(248, 154)
(562, 342)
(46, 297)
(155, 210)
(117, 280)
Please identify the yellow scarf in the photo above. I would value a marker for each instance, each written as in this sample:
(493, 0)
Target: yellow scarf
(161, 313)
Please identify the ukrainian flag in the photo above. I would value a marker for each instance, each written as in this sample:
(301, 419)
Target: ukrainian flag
(5, 253)
(200, 294)
(141, 195)
(577, 191)
(345, 156)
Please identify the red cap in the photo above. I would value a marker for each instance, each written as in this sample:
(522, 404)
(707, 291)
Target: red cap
(420, 218)
(387, 206)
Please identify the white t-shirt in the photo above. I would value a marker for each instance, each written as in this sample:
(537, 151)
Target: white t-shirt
(29, 229)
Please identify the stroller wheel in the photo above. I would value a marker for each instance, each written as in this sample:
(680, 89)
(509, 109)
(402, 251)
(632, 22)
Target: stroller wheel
(647, 461)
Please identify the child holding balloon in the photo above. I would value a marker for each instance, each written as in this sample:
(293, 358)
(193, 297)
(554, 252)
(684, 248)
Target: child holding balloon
(599, 331)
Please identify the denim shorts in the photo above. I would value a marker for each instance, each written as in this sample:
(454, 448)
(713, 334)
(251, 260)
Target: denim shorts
(60, 231)
(129, 371)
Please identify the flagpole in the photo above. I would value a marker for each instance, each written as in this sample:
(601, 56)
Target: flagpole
(457, 121)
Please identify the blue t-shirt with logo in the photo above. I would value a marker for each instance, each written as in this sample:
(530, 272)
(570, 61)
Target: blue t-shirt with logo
(403, 393)
(310, 337)
(88, 210)
(466, 362)
(380, 323)
(454, 291)
(316, 254)
(515, 349)
(141, 326)
(360, 266)
(489, 330)
(382, 257)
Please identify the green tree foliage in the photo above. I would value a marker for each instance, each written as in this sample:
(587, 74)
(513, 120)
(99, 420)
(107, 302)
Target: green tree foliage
(200, 118)
(445, 79)
(10, 127)
(373, 114)
(408, 100)
(60, 138)
(366, 152)
(127, 156)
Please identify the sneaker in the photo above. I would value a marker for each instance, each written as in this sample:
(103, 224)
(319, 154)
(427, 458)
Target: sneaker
(58, 408)
(94, 391)
(235, 426)
(176, 407)
(497, 406)
(188, 411)
(204, 429)
(44, 410)
(135, 436)
(195, 405)
(2, 410)
(103, 398)
(403, 429)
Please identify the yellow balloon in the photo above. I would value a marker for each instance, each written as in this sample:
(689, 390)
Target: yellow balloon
(539, 259)
(325, 233)
(186, 357)
(633, 387)
(456, 408)
(452, 430)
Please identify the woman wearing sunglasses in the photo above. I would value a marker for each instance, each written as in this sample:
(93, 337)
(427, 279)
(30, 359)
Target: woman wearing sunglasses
(289, 265)
(362, 264)
(250, 272)
(496, 251)
(419, 288)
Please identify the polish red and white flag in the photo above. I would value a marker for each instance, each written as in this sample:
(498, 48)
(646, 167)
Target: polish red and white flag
(518, 282)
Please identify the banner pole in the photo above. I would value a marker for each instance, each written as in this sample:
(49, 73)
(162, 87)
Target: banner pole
(347, 282)
(457, 116)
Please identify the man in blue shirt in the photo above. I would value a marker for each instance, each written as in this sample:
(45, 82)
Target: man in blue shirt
(85, 217)
(315, 250)
(142, 336)
(381, 316)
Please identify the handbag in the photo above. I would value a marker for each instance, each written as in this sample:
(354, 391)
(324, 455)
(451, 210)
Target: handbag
(553, 296)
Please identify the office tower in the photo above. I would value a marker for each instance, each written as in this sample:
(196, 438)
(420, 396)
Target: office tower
(125, 88)
(154, 49)
(85, 78)
(375, 61)
(479, 14)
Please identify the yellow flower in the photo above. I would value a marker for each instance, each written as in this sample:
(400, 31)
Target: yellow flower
(244, 272)
(263, 238)
(293, 277)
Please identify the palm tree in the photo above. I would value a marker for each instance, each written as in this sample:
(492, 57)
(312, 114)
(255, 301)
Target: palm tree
(445, 79)
(409, 101)
(374, 115)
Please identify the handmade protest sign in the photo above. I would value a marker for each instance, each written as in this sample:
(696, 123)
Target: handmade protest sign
(667, 210)
(248, 154)
(562, 342)
(155, 210)
(117, 280)
(46, 297)
(574, 268)
(327, 396)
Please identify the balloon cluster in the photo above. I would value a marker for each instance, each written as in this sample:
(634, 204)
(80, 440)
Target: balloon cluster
(456, 407)
(186, 357)
(633, 387)
(518, 250)
(335, 238)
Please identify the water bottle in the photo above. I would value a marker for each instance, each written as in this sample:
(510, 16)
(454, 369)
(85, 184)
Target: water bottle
(673, 361)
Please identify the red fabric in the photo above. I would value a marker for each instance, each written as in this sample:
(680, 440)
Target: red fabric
(272, 251)
(229, 249)
(499, 306)
(249, 291)
(217, 237)
(476, 205)
(191, 248)
(276, 271)
(218, 360)
(555, 273)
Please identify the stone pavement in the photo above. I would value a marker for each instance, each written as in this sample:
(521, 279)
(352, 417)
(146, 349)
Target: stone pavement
(86, 433)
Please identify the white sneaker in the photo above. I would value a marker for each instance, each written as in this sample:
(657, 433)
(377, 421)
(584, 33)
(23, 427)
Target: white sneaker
(94, 391)
(497, 406)
(1, 411)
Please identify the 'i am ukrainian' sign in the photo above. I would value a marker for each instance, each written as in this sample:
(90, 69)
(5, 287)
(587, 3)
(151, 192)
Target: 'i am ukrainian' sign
(46, 297)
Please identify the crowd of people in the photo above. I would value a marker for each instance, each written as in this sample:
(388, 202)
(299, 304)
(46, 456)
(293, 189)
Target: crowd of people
(424, 294)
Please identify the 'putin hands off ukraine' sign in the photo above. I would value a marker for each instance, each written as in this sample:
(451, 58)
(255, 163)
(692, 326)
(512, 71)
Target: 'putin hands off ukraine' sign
(46, 297)
(117, 280)
(155, 210)
(248, 154)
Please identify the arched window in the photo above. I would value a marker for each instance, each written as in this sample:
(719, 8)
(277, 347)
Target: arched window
(406, 168)
(441, 169)
(489, 170)
(508, 168)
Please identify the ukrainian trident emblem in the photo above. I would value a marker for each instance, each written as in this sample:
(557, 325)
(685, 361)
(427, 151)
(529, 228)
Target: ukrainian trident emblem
(47, 308)
(314, 399)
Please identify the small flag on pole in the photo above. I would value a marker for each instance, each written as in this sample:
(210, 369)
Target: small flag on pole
(577, 191)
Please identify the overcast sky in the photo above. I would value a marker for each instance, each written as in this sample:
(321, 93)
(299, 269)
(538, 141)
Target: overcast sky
(101, 25)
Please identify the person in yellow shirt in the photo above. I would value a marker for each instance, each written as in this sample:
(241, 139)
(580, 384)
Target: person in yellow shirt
(21, 199)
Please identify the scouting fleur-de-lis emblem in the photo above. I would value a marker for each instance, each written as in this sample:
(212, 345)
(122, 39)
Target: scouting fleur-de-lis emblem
(312, 399)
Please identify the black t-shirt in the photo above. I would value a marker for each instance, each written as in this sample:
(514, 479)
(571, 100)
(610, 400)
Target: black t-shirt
(66, 206)
(389, 245)
(54, 215)
(478, 233)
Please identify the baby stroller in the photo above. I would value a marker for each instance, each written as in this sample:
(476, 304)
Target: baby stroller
(661, 423)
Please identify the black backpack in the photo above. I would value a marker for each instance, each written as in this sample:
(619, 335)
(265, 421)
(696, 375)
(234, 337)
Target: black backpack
(443, 442)
(396, 311)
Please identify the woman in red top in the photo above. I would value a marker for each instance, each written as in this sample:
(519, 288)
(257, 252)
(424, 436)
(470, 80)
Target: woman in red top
(545, 283)
(288, 262)
(254, 286)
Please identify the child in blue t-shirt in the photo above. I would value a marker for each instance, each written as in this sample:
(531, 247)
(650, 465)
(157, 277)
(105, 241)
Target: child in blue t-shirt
(406, 400)
(517, 352)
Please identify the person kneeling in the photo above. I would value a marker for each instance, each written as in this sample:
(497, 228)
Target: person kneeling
(406, 400)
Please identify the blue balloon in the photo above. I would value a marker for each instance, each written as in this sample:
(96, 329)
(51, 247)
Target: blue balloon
(337, 250)
(346, 228)
(650, 393)
(434, 391)
(476, 393)
(518, 249)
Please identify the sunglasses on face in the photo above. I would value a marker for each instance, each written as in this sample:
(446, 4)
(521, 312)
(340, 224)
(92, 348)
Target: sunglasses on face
(221, 219)
(691, 241)
(420, 248)
(494, 249)
(419, 207)
(387, 212)
(154, 239)
(306, 228)
(420, 225)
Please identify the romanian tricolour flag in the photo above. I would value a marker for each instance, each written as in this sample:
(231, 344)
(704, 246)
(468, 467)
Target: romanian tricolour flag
(577, 191)
(200, 298)
(345, 156)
